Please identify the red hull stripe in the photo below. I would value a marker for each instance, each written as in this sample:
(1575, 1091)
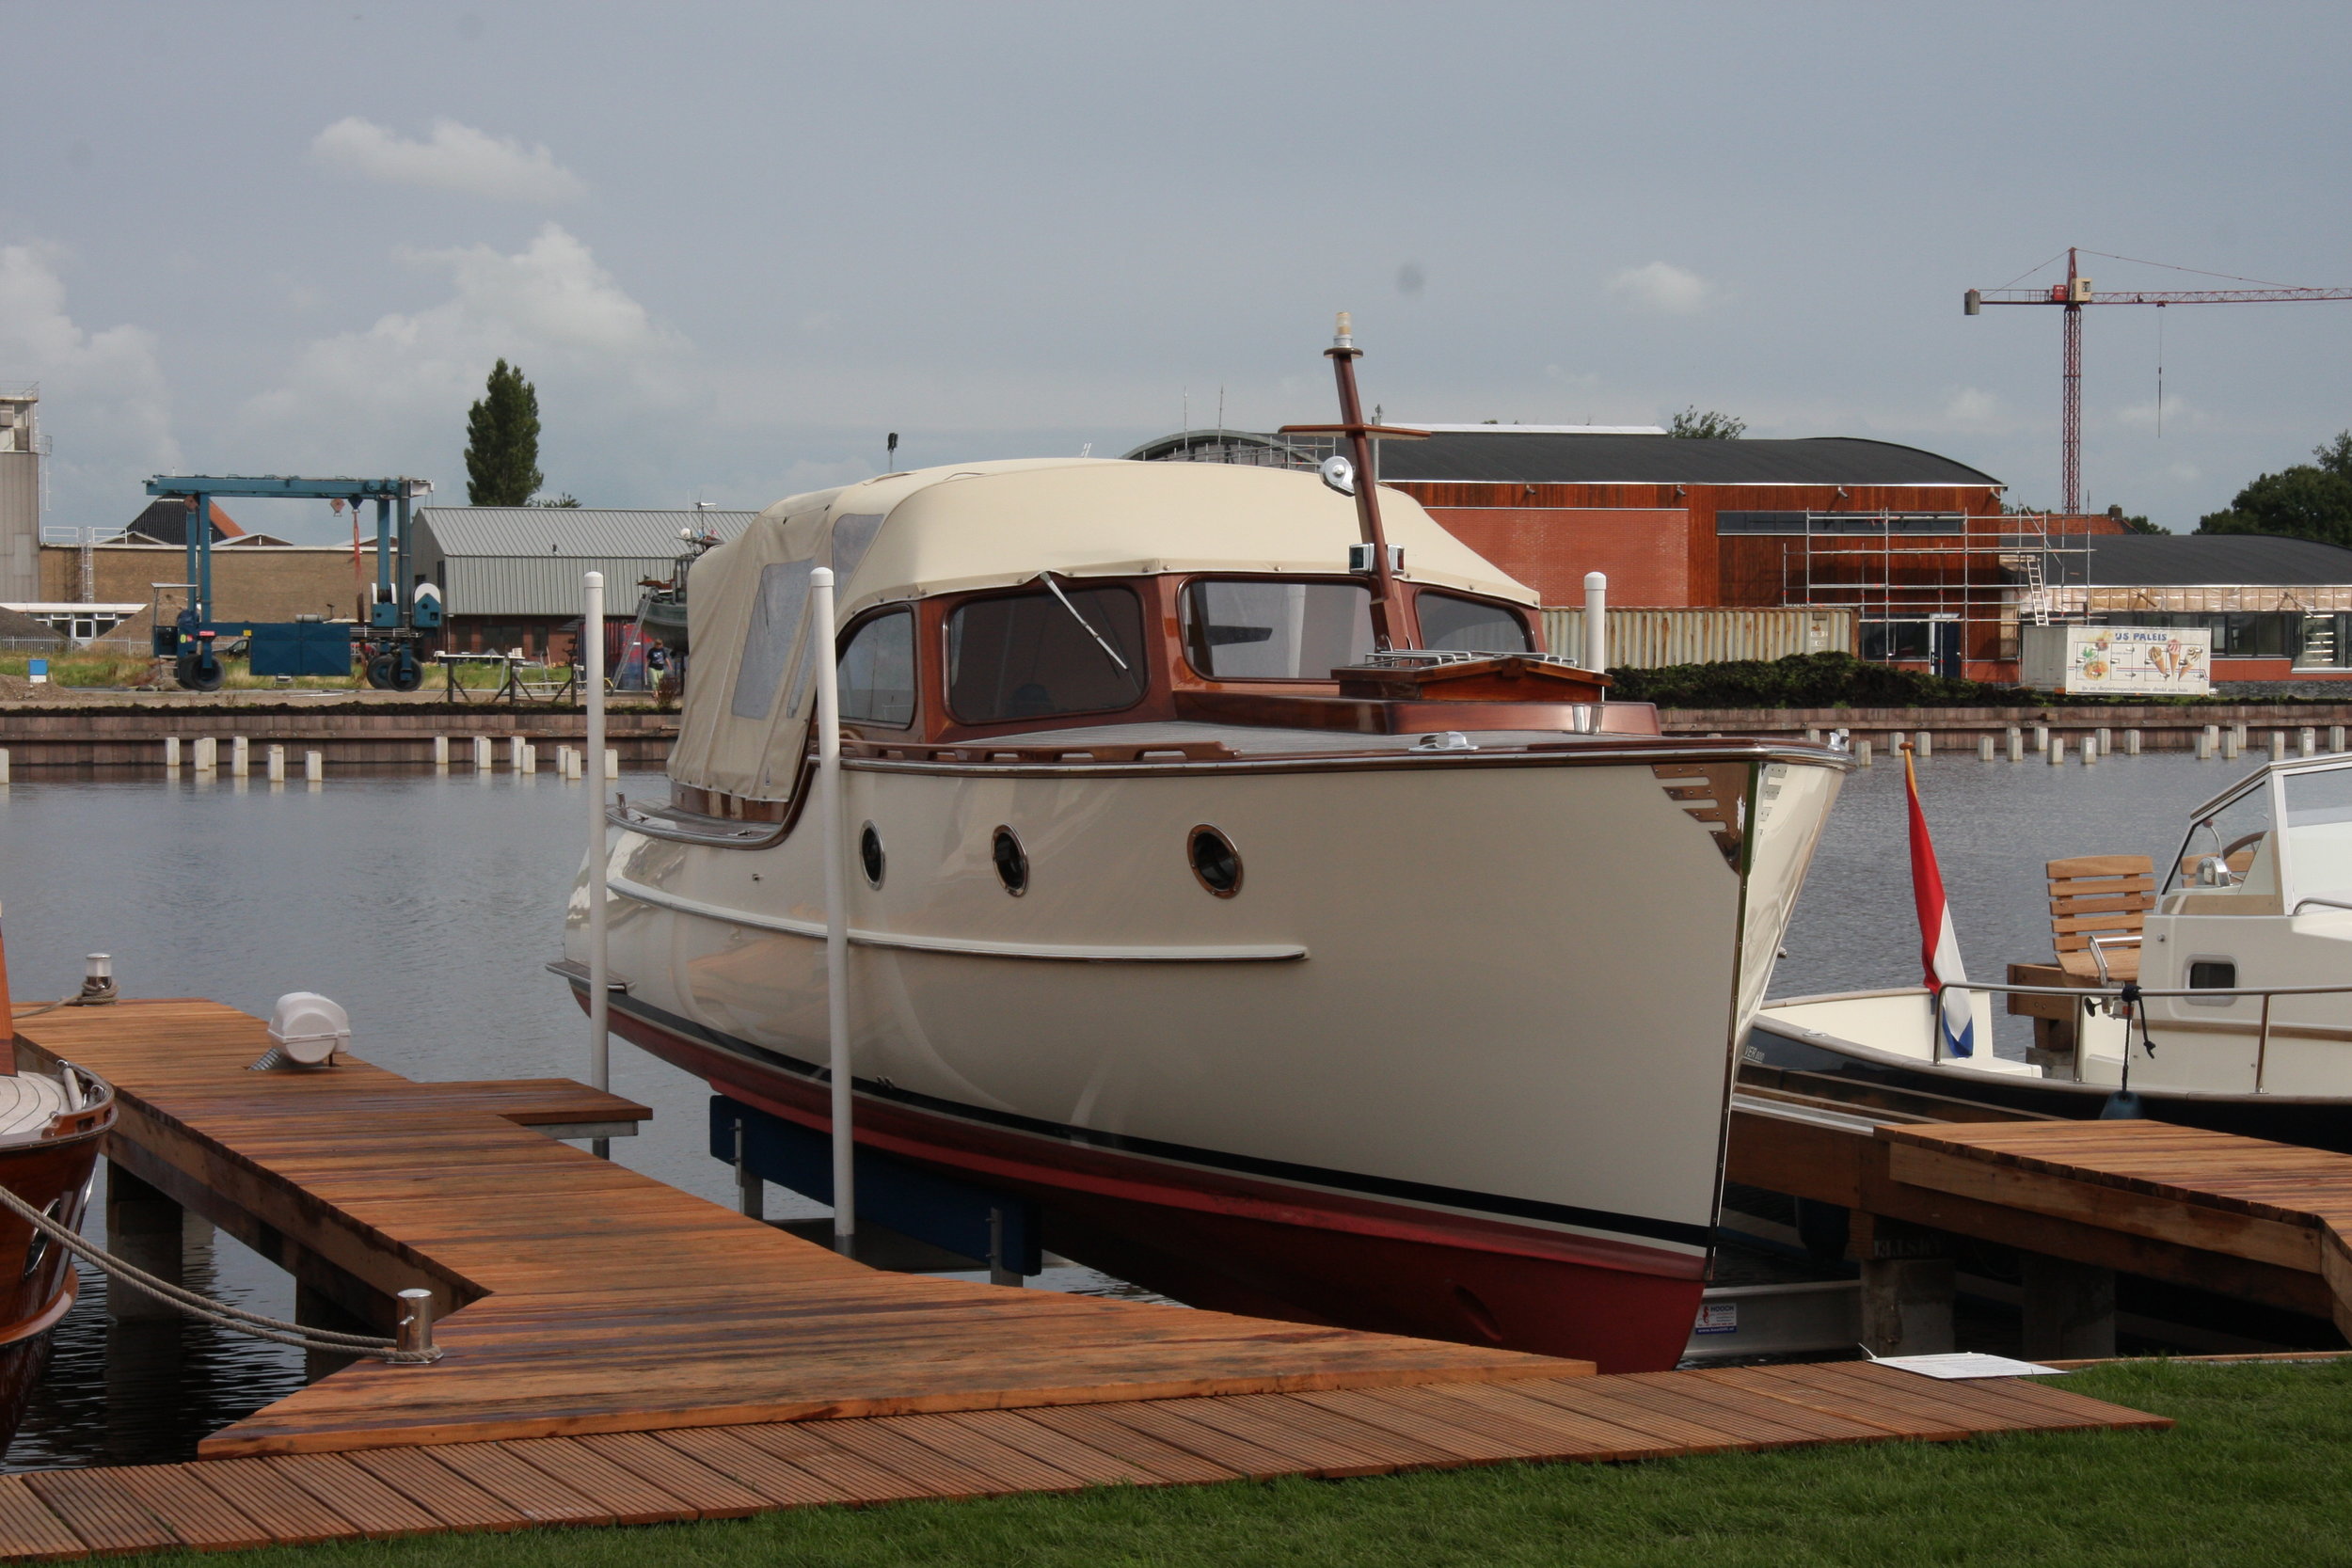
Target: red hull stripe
(1500, 1207)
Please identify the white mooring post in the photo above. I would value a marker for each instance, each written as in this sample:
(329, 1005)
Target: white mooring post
(241, 756)
(2204, 744)
(274, 761)
(1984, 748)
(314, 767)
(2131, 743)
(2091, 748)
(2309, 739)
(2277, 745)
(1861, 753)
(482, 753)
(2107, 743)
(2058, 749)
(440, 753)
(171, 753)
(2016, 744)
(515, 749)
(599, 969)
(1596, 621)
(2335, 738)
(821, 633)
(2041, 738)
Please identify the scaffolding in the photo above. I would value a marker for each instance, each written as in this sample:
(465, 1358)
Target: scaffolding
(1890, 568)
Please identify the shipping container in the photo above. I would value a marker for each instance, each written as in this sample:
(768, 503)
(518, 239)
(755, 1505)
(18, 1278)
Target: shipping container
(1653, 639)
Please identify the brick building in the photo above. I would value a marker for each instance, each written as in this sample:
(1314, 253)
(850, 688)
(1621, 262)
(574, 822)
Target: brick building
(1913, 546)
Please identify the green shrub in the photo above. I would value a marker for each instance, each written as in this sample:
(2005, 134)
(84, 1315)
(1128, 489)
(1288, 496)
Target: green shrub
(1806, 680)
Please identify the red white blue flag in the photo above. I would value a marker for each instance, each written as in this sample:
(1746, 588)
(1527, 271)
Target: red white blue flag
(1939, 948)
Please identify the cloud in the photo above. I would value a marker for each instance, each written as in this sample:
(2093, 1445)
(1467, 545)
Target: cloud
(2177, 412)
(1971, 408)
(106, 403)
(374, 397)
(1664, 288)
(455, 158)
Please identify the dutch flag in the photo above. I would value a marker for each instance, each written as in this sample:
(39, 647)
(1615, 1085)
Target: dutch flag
(1939, 948)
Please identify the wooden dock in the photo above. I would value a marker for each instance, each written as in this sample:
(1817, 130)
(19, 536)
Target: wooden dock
(730, 1472)
(2243, 1217)
(619, 1351)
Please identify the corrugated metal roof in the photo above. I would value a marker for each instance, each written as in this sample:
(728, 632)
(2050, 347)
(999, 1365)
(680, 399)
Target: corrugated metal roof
(527, 561)
(1527, 457)
(2199, 559)
(565, 530)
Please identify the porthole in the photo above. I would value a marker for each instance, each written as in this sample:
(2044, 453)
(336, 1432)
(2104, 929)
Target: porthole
(869, 855)
(1214, 861)
(1012, 861)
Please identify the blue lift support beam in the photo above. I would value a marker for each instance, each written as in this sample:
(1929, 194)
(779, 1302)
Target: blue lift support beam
(394, 617)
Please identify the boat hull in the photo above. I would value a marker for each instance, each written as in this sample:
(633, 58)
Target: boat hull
(1454, 1062)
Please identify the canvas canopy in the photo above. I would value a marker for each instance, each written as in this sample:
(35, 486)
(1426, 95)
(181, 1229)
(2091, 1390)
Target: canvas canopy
(992, 524)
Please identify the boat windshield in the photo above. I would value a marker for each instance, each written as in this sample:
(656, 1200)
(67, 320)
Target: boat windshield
(2320, 834)
(2231, 853)
(1472, 626)
(1253, 630)
(1034, 655)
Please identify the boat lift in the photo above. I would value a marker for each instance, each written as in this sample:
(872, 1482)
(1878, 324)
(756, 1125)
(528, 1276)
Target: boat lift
(398, 617)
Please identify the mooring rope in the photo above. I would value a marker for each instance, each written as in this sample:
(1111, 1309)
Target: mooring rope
(370, 1346)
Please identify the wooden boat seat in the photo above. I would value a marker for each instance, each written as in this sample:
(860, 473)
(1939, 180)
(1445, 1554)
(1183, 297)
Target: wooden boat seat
(2106, 896)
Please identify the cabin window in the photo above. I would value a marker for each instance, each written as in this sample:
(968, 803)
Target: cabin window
(767, 642)
(878, 671)
(1275, 631)
(1034, 656)
(1472, 626)
(2319, 834)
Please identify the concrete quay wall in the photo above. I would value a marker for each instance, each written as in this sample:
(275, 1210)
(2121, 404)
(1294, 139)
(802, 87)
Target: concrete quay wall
(385, 735)
(2162, 727)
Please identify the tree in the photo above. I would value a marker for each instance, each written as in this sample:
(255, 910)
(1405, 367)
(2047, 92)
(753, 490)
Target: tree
(2310, 500)
(2134, 525)
(502, 442)
(1706, 426)
(566, 498)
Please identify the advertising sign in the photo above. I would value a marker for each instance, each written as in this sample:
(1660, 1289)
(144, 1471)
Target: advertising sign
(2174, 661)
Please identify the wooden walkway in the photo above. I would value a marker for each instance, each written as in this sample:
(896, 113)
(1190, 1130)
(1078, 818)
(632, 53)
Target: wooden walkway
(590, 1299)
(621, 1353)
(2268, 1206)
(731, 1472)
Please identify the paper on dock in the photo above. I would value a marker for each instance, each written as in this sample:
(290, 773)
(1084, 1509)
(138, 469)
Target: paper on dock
(1967, 1363)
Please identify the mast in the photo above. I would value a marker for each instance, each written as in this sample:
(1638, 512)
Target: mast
(1394, 624)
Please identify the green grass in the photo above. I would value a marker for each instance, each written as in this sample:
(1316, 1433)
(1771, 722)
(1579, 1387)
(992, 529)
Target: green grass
(2258, 1471)
(90, 671)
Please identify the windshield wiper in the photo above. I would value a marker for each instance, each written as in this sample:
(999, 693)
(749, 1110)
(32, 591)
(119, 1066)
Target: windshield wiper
(1108, 652)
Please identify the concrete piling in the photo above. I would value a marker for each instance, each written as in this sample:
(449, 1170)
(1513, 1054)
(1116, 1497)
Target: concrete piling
(2232, 744)
(1984, 748)
(2090, 748)
(2335, 738)
(2204, 744)
(482, 753)
(274, 760)
(1861, 753)
(1926, 742)
(2041, 738)
(2058, 749)
(2277, 745)
(2016, 744)
(440, 752)
(171, 753)
(611, 764)
(528, 759)
(515, 753)
(314, 766)
(2309, 741)
(2107, 743)
(240, 757)
(2131, 743)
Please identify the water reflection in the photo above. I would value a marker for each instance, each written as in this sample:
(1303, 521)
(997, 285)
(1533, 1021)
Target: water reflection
(427, 904)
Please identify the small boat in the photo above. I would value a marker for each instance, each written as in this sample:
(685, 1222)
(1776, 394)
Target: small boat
(50, 1132)
(661, 609)
(1231, 873)
(2239, 954)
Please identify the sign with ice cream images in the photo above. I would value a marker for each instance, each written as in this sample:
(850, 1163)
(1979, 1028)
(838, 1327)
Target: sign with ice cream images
(2121, 661)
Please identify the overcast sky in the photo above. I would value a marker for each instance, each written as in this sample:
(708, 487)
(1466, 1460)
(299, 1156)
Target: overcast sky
(734, 244)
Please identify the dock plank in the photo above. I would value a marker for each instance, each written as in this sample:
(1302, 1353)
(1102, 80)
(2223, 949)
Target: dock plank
(29, 1532)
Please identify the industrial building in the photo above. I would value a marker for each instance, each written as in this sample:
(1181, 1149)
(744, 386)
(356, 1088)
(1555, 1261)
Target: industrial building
(21, 447)
(2279, 608)
(510, 574)
(1907, 553)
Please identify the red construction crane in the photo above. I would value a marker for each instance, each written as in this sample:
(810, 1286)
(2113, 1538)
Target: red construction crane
(2073, 295)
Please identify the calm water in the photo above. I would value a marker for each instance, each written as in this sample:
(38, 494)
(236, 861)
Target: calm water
(428, 907)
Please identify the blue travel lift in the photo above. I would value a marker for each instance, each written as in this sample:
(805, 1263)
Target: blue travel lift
(398, 618)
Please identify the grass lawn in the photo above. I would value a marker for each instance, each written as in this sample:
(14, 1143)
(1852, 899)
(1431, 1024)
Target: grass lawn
(2258, 1471)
